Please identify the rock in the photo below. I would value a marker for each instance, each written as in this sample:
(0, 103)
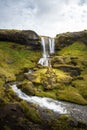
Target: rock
(74, 71)
(27, 87)
(57, 59)
(10, 62)
(66, 39)
(2, 102)
(49, 79)
(13, 117)
(30, 76)
(26, 37)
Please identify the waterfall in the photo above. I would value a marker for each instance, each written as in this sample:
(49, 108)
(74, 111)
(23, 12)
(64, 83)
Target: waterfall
(48, 48)
(44, 47)
(51, 45)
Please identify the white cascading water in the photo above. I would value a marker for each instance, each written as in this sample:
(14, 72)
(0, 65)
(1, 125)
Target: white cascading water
(45, 57)
(51, 45)
(43, 102)
(44, 61)
(77, 111)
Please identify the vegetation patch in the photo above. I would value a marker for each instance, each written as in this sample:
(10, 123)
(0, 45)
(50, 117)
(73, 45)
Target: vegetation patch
(30, 111)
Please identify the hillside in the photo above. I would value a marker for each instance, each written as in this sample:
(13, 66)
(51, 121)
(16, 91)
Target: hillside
(65, 80)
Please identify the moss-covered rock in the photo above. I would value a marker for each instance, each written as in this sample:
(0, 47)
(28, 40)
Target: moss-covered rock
(49, 79)
(66, 39)
(27, 87)
(66, 122)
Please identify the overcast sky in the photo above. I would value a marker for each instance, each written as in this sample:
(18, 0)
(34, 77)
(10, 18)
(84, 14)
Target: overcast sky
(46, 17)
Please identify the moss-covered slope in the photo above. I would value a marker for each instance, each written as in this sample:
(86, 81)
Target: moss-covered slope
(66, 80)
(15, 59)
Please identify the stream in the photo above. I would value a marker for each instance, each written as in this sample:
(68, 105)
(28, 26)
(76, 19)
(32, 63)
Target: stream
(78, 112)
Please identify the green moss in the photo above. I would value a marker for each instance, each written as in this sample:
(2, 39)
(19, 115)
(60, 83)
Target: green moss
(14, 57)
(81, 85)
(71, 94)
(76, 49)
(1, 87)
(27, 87)
(31, 112)
(74, 55)
(60, 75)
(64, 122)
(38, 74)
(6, 127)
(61, 90)
(50, 94)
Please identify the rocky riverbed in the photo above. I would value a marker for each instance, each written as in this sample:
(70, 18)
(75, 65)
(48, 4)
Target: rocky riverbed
(77, 112)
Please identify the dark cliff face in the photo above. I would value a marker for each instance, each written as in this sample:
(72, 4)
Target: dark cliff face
(26, 37)
(66, 39)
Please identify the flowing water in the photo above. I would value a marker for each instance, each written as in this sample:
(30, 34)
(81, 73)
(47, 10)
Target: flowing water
(78, 112)
(43, 102)
(52, 45)
(48, 48)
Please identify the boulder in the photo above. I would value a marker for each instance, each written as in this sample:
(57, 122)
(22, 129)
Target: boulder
(27, 87)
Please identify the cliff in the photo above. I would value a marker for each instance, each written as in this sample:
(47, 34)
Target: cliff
(66, 39)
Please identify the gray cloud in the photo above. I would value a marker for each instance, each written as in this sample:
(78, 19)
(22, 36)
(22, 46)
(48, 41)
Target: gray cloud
(46, 17)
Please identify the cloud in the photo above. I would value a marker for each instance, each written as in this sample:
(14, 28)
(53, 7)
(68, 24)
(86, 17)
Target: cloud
(47, 17)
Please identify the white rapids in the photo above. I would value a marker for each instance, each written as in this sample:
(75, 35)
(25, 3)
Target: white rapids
(43, 102)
